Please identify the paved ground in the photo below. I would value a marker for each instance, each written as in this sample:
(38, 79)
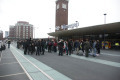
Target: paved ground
(53, 67)
(10, 68)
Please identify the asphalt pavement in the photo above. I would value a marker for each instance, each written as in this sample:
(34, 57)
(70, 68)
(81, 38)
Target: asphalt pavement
(14, 65)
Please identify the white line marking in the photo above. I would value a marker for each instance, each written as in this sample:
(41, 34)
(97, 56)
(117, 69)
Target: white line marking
(110, 63)
(12, 75)
(111, 54)
(7, 57)
(9, 63)
(23, 67)
(35, 66)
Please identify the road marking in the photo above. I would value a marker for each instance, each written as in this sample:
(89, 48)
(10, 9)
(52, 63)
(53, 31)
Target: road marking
(36, 67)
(39, 65)
(116, 55)
(110, 63)
(23, 68)
(12, 75)
(9, 63)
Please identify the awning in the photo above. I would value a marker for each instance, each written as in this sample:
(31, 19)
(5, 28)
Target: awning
(98, 29)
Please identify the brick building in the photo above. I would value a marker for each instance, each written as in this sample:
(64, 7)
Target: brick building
(21, 30)
(12, 32)
(61, 14)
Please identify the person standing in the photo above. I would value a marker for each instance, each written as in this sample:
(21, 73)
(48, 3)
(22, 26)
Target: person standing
(9, 42)
(49, 46)
(25, 46)
(82, 46)
(43, 46)
(38, 51)
(66, 47)
(61, 45)
(55, 46)
(70, 46)
(94, 48)
(77, 45)
(98, 47)
(87, 47)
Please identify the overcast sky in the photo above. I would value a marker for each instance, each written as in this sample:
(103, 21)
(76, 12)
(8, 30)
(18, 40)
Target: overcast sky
(41, 13)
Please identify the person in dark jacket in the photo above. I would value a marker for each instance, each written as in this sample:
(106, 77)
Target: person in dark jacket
(9, 42)
(49, 46)
(43, 46)
(70, 46)
(25, 46)
(87, 47)
(61, 44)
(98, 47)
(38, 51)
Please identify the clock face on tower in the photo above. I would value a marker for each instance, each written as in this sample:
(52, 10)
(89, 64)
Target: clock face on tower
(64, 6)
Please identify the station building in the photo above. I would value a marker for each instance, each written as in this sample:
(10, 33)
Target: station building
(108, 34)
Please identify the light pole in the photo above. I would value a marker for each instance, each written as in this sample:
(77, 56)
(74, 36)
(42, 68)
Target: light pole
(105, 18)
(104, 30)
(77, 23)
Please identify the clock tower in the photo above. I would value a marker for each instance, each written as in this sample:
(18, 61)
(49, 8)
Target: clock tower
(61, 14)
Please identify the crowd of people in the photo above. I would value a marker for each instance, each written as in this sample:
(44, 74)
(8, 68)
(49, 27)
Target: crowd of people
(69, 47)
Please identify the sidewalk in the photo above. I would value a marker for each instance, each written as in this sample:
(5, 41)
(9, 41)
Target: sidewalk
(10, 68)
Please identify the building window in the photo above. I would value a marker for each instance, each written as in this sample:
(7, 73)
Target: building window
(64, 6)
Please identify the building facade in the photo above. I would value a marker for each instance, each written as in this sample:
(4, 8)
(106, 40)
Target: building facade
(6, 34)
(1, 35)
(61, 14)
(21, 30)
(12, 32)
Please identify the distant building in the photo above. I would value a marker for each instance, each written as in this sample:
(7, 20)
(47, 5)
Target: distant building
(21, 30)
(6, 34)
(12, 32)
(1, 35)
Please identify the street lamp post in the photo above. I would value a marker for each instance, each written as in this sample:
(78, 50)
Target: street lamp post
(104, 30)
(105, 18)
(77, 23)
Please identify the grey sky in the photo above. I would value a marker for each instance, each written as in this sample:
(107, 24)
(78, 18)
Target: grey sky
(41, 13)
